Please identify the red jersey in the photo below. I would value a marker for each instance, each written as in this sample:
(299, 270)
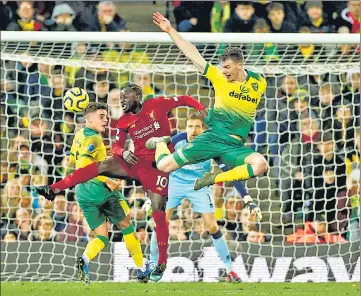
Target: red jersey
(151, 121)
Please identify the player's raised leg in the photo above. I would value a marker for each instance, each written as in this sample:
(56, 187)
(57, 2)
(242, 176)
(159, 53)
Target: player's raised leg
(110, 167)
(164, 159)
(253, 165)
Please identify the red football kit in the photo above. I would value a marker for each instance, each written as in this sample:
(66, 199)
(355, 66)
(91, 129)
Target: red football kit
(151, 121)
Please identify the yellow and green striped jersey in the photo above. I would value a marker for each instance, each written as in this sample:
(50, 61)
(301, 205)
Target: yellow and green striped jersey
(236, 102)
(87, 147)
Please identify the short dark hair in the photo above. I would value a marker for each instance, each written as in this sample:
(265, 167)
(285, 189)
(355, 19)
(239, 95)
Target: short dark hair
(195, 116)
(260, 24)
(245, 3)
(134, 88)
(233, 53)
(310, 4)
(275, 6)
(94, 106)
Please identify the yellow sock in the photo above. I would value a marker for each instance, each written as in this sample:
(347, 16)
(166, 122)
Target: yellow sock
(133, 245)
(95, 246)
(243, 172)
(161, 151)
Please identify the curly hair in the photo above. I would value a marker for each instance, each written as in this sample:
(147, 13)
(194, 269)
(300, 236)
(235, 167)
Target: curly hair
(233, 53)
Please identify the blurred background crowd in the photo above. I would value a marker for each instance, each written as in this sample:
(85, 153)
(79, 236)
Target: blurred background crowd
(307, 125)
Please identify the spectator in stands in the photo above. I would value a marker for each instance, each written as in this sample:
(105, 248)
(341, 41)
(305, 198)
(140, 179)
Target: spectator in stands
(60, 213)
(256, 237)
(242, 20)
(62, 18)
(74, 230)
(106, 19)
(124, 53)
(330, 178)
(23, 224)
(40, 139)
(176, 230)
(115, 110)
(309, 52)
(79, 50)
(221, 12)
(27, 82)
(314, 233)
(30, 163)
(193, 16)
(100, 89)
(329, 103)
(278, 115)
(260, 51)
(351, 92)
(354, 154)
(10, 199)
(276, 16)
(26, 20)
(46, 207)
(350, 16)
(52, 95)
(344, 127)
(300, 106)
(43, 229)
(296, 163)
(144, 80)
(316, 20)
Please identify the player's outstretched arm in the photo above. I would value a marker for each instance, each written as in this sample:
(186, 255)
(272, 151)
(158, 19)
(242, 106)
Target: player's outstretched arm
(189, 50)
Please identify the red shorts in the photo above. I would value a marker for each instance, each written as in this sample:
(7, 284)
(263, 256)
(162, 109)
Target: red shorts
(148, 175)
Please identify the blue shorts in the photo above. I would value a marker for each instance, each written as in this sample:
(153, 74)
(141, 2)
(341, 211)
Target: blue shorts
(201, 200)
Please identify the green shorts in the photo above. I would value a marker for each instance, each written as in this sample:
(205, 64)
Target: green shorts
(99, 203)
(211, 145)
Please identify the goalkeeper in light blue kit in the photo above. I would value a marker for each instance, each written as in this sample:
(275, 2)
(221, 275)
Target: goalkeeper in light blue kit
(181, 186)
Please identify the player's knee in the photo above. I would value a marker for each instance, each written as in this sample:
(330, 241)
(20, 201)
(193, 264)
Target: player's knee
(213, 228)
(260, 166)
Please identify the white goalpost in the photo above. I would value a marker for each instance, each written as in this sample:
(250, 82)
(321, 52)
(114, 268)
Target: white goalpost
(36, 68)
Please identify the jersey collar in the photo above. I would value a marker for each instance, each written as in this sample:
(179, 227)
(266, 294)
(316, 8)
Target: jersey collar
(89, 132)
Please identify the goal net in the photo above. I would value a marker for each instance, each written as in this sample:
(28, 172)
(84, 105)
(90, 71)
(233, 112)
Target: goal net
(307, 127)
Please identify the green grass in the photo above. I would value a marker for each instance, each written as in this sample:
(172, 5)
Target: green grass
(176, 289)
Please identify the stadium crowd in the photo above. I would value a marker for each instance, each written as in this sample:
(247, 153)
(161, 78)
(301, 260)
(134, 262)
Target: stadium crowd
(307, 125)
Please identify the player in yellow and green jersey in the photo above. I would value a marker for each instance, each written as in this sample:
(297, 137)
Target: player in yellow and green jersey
(238, 93)
(99, 198)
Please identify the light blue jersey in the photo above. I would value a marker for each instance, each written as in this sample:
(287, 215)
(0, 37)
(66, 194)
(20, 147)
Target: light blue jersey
(181, 183)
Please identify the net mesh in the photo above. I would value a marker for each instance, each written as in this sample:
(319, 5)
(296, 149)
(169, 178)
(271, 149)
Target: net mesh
(309, 198)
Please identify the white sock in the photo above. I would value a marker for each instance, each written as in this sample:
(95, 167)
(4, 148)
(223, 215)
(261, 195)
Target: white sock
(144, 267)
(86, 259)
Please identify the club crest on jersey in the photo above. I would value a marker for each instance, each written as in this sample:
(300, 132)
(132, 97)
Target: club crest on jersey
(255, 86)
(91, 148)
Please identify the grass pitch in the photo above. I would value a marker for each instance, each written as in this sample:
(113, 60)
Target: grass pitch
(177, 289)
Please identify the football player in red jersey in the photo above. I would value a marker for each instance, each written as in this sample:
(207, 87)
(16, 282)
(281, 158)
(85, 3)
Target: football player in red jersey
(142, 120)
